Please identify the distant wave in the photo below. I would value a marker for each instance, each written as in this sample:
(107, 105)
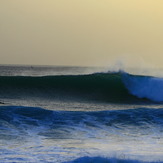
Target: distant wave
(109, 87)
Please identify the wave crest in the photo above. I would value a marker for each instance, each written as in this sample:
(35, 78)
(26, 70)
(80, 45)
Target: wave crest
(107, 87)
(144, 86)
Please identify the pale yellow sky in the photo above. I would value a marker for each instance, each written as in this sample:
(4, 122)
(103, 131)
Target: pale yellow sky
(81, 32)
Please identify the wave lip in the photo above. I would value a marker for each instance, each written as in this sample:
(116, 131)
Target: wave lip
(144, 86)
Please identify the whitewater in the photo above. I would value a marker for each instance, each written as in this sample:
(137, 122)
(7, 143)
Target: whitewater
(79, 115)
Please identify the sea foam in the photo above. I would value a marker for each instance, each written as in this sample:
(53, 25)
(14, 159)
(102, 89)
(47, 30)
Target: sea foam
(144, 86)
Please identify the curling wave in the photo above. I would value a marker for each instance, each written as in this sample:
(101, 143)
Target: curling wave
(108, 87)
(144, 86)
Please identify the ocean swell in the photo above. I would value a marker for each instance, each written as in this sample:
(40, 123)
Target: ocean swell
(107, 87)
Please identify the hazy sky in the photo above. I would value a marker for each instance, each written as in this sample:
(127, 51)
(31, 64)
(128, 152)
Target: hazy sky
(81, 32)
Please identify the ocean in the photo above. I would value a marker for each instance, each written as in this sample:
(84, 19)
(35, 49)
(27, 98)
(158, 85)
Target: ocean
(79, 115)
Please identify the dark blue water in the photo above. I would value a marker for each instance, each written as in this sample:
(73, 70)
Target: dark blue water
(73, 114)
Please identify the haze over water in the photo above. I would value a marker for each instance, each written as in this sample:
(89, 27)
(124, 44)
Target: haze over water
(98, 96)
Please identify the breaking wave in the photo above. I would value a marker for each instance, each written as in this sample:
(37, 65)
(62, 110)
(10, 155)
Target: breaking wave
(20, 117)
(67, 133)
(109, 87)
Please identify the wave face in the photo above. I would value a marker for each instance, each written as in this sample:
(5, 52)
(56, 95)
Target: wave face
(108, 87)
(63, 136)
(104, 87)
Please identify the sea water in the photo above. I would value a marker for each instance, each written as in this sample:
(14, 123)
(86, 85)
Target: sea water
(79, 115)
